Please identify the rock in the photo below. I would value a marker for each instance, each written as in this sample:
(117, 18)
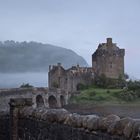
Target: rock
(87, 119)
(84, 122)
(68, 119)
(128, 129)
(80, 121)
(111, 128)
(51, 115)
(136, 130)
(93, 123)
(39, 113)
(122, 125)
(76, 120)
(73, 119)
(62, 115)
(44, 115)
(106, 122)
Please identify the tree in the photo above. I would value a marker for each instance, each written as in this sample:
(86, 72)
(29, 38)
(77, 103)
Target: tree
(26, 85)
(126, 76)
(122, 81)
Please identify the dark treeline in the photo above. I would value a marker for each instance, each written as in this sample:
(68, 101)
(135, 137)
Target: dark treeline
(35, 57)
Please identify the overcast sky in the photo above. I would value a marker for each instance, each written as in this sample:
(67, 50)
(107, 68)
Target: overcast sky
(79, 25)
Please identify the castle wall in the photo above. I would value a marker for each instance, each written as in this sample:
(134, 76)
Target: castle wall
(68, 80)
(78, 78)
(57, 77)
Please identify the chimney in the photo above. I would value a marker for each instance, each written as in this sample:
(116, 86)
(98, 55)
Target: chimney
(59, 64)
(109, 41)
(50, 67)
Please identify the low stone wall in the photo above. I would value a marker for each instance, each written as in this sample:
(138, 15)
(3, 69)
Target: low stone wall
(27, 123)
(56, 131)
(4, 126)
(59, 124)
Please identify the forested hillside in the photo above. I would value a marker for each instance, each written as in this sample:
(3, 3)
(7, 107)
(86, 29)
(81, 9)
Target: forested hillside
(35, 57)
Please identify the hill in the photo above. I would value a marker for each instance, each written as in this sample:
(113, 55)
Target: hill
(35, 57)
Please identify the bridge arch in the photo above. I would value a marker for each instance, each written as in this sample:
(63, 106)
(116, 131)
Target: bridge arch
(52, 101)
(39, 101)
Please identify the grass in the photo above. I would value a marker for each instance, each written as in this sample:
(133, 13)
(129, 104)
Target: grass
(101, 96)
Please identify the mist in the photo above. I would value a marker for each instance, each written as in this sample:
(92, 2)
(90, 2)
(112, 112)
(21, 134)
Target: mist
(15, 80)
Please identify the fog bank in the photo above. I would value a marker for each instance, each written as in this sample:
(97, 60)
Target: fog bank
(14, 80)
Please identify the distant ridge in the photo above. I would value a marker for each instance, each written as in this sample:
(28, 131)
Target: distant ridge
(35, 57)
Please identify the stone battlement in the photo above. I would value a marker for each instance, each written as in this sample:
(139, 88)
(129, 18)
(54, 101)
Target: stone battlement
(103, 52)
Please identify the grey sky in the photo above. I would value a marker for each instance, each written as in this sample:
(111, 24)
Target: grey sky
(75, 24)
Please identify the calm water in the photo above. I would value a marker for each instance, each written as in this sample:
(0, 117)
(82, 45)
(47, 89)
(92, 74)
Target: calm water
(14, 80)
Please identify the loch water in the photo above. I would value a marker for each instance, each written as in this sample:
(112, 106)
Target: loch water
(15, 80)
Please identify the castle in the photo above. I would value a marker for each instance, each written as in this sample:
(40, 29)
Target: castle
(107, 60)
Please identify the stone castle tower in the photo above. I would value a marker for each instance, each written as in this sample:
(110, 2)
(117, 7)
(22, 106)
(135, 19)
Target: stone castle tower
(108, 59)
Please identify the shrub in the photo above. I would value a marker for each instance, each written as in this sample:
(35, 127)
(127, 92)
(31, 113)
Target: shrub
(92, 93)
(81, 86)
(100, 98)
(138, 92)
(133, 85)
(26, 85)
(128, 95)
(103, 82)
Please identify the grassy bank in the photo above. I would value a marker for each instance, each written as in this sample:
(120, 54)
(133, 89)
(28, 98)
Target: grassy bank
(105, 96)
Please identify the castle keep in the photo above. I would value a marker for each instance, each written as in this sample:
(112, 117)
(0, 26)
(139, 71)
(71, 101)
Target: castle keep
(107, 60)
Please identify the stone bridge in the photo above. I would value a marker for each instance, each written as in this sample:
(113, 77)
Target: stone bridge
(49, 98)
(52, 98)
